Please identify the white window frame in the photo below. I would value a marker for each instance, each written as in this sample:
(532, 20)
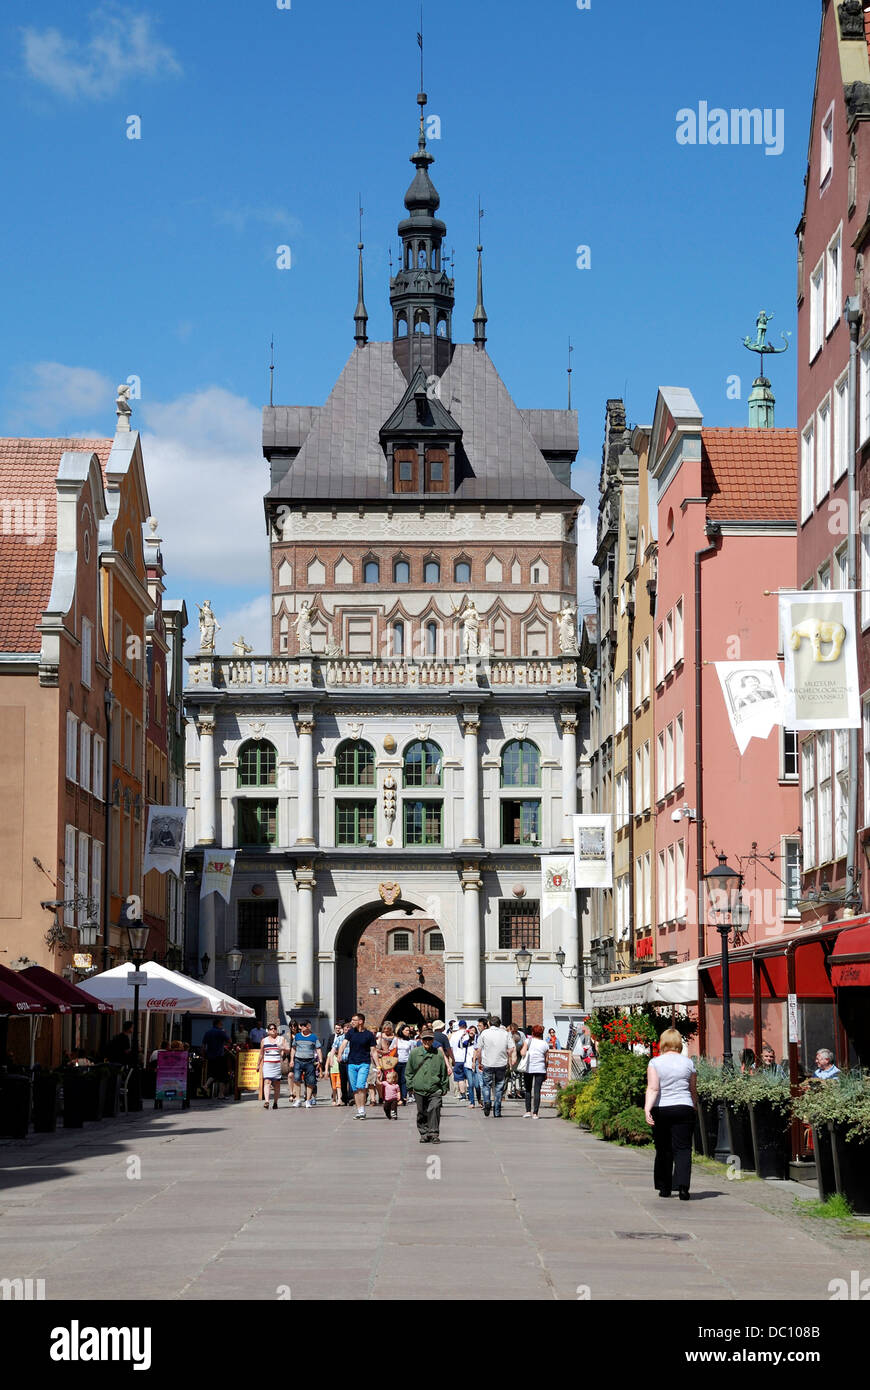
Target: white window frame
(638, 781)
(646, 663)
(791, 849)
(865, 717)
(638, 677)
(864, 544)
(69, 875)
(680, 886)
(646, 776)
(823, 577)
(817, 308)
(840, 452)
(823, 449)
(824, 796)
(87, 652)
(97, 877)
(85, 758)
(660, 653)
(679, 752)
(784, 774)
(841, 792)
(647, 889)
(826, 147)
(808, 801)
(662, 895)
(672, 882)
(660, 766)
(72, 747)
(808, 466)
(833, 280)
(678, 632)
(669, 642)
(841, 568)
(83, 879)
(864, 392)
(99, 778)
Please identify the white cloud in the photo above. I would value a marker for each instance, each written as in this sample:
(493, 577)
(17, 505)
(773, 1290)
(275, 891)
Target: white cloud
(50, 396)
(121, 46)
(206, 477)
(240, 215)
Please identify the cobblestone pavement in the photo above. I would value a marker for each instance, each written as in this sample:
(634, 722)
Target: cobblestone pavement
(228, 1200)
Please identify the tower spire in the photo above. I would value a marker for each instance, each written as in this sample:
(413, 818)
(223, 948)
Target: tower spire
(479, 315)
(360, 318)
(761, 398)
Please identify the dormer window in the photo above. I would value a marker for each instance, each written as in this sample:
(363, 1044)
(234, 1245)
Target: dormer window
(437, 469)
(405, 462)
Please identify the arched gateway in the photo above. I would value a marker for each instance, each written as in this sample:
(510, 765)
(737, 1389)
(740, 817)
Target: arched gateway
(383, 958)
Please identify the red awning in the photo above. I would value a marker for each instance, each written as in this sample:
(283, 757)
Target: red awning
(850, 958)
(19, 999)
(63, 992)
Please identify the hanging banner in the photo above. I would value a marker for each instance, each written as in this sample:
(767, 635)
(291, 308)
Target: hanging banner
(593, 866)
(217, 872)
(821, 661)
(557, 882)
(754, 698)
(164, 839)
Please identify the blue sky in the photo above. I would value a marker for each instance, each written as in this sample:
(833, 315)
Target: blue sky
(259, 128)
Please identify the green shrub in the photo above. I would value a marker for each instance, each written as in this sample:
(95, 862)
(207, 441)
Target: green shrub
(630, 1126)
(584, 1110)
(566, 1096)
(621, 1080)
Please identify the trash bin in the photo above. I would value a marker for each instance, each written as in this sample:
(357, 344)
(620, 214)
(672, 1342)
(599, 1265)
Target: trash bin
(45, 1101)
(15, 1096)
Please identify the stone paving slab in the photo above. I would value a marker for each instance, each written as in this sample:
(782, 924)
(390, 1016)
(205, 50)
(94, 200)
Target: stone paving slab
(231, 1205)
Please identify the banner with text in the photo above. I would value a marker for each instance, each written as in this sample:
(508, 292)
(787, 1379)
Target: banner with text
(164, 839)
(821, 661)
(754, 698)
(217, 872)
(593, 866)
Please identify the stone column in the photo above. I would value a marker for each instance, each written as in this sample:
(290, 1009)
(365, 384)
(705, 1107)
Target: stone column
(305, 885)
(207, 798)
(569, 774)
(472, 995)
(570, 943)
(470, 780)
(305, 835)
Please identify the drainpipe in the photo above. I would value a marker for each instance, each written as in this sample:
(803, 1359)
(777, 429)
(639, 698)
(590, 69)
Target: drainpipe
(853, 319)
(714, 534)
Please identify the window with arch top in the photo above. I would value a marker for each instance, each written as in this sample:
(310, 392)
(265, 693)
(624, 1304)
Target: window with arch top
(521, 764)
(401, 569)
(462, 572)
(423, 764)
(354, 764)
(431, 572)
(257, 763)
(371, 572)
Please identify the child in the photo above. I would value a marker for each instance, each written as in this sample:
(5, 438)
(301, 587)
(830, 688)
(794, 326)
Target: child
(334, 1073)
(392, 1095)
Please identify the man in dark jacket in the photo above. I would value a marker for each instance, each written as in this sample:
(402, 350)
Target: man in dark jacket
(426, 1078)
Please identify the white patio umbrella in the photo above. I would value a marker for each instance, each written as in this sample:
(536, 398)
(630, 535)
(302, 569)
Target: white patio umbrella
(166, 992)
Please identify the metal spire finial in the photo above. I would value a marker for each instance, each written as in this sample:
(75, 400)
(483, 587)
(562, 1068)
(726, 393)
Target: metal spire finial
(271, 369)
(761, 398)
(570, 369)
(360, 318)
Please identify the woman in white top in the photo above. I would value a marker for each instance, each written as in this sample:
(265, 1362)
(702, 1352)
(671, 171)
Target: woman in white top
(671, 1099)
(535, 1051)
(404, 1043)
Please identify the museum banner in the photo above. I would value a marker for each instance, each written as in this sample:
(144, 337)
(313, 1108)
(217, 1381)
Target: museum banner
(754, 698)
(821, 659)
(557, 882)
(164, 839)
(593, 858)
(217, 872)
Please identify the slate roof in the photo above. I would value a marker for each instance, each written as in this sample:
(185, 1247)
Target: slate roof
(28, 469)
(750, 474)
(342, 456)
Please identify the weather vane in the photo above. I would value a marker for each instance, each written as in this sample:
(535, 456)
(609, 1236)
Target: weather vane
(761, 345)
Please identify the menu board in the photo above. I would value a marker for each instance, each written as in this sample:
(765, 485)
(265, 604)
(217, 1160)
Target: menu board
(558, 1075)
(247, 1076)
(171, 1076)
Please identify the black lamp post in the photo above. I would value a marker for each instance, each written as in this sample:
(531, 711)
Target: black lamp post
(731, 911)
(523, 960)
(138, 941)
(234, 969)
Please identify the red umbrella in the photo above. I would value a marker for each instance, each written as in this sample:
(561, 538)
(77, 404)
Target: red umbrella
(63, 992)
(20, 1000)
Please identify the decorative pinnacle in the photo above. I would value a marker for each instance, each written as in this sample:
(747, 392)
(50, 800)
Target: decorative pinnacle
(761, 345)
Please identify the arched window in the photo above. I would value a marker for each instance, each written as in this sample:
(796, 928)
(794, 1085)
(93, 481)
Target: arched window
(423, 764)
(401, 572)
(441, 330)
(431, 632)
(408, 254)
(462, 572)
(398, 639)
(421, 258)
(436, 257)
(434, 942)
(401, 326)
(431, 572)
(421, 322)
(257, 762)
(371, 572)
(521, 764)
(354, 764)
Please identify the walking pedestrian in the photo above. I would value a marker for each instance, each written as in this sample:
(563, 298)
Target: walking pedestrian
(442, 1041)
(535, 1051)
(391, 1095)
(359, 1049)
(333, 1071)
(552, 1040)
(669, 1106)
(257, 1034)
(215, 1041)
(404, 1043)
(306, 1059)
(272, 1051)
(427, 1080)
(472, 1069)
(458, 1041)
(515, 1088)
(494, 1054)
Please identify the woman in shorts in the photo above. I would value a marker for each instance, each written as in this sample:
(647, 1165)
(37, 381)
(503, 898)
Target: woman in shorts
(272, 1050)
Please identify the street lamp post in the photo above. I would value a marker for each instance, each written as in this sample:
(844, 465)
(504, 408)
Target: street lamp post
(234, 969)
(523, 961)
(731, 911)
(138, 941)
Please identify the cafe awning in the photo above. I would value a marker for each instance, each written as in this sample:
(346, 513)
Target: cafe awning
(18, 999)
(166, 992)
(61, 990)
(674, 984)
(850, 958)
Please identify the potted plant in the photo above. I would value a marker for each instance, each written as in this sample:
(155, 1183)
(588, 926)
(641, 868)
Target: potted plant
(842, 1106)
(739, 1128)
(767, 1096)
(711, 1094)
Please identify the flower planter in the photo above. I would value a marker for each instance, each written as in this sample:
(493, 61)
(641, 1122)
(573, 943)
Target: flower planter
(94, 1096)
(740, 1135)
(46, 1098)
(14, 1106)
(770, 1139)
(707, 1127)
(75, 1095)
(851, 1168)
(825, 1175)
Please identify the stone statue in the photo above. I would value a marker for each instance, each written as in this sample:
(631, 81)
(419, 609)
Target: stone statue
(485, 642)
(333, 648)
(241, 647)
(208, 626)
(302, 623)
(122, 406)
(470, 619)
(568, 629)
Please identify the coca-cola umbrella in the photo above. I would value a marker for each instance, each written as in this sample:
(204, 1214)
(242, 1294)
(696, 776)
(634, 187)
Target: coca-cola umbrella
(166, 992)
(64, 992)
(20, 1000)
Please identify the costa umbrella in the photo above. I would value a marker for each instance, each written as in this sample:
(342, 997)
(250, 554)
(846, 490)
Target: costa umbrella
(23, 999)
(63, 992)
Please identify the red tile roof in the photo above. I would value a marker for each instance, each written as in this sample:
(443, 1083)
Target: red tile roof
(750, 474)
(28, 469)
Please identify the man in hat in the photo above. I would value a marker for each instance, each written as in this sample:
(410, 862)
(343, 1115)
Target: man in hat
(426, 1078)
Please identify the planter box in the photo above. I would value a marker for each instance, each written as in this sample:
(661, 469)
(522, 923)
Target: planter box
(46, 1102)
(112, 1101)
(740, 1135)
(771, 1141)
(94, 1097)
(823, 1150)
(851, 1168)
(707, 1127)
(75, 1096)
(14, 1106)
